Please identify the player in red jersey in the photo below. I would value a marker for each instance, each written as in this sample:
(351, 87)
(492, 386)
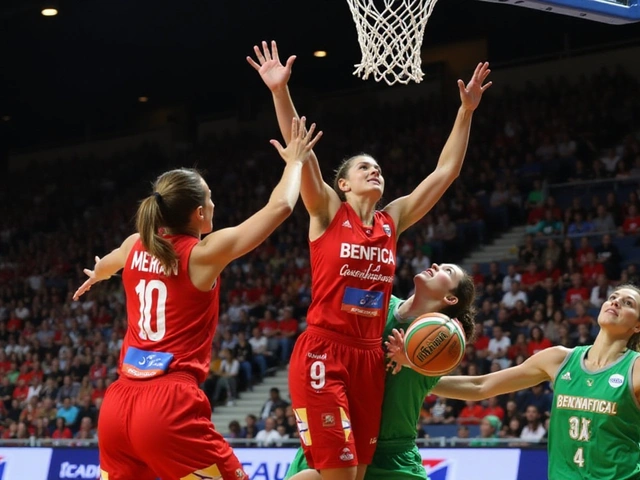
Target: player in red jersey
(336, 375)
(155, 421)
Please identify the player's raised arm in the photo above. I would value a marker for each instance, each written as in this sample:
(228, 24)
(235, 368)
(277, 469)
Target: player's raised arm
(107, 266)
(226, 245)
(409, 209)
(319, 198)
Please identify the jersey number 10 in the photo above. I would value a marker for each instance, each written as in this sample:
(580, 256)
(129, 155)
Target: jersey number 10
(145, 293)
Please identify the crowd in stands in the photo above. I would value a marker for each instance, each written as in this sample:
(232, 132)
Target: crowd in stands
(58, 356)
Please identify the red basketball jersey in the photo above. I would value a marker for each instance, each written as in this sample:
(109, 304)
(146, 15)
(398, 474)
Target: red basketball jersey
(170, 322)
(352, 269)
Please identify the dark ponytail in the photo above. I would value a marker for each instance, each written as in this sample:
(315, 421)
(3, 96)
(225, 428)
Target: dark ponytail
(176, 194)
(464, 310)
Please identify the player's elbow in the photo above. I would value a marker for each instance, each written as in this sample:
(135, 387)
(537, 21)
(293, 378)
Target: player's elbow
(282, 208)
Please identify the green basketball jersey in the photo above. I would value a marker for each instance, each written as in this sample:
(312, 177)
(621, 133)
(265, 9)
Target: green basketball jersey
(403, 393)
(595, 421)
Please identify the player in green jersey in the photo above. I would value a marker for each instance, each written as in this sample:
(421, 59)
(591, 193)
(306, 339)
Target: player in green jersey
(594, 430)
(444, 288)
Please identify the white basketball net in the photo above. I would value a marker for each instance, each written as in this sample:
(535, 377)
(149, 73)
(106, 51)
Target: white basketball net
(390, 34)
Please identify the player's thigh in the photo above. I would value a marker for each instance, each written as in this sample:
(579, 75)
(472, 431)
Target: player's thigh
(401, 466)
(174, 435)
(366, 392)
(318, 383)
(117, 458)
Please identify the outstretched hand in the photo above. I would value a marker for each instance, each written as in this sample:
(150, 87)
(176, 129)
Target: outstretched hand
(273, 73)
(92, 280)
(471, 94)
(396, 352)
(301, 143)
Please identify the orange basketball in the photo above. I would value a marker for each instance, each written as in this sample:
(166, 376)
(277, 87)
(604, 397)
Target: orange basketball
(434, 343)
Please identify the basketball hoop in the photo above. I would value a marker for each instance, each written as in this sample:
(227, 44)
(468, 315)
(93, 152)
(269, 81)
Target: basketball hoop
(390, 33)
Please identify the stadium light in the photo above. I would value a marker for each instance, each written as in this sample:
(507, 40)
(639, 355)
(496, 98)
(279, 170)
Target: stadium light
(143, 99)
(320, 53)
(49, 11)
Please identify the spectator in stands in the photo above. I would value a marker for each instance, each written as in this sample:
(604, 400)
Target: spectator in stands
(490, 426)
(498, 347)
(494, 277)
(537, 341)
(494, 408)
(529, 252)
(603, 222)
(250, 430)
(551, 253)
(609, 256)
(272, 403)
(244, 354)
(581, 316)
(631, 224)
(510, 298)
(579, 226)
(532, 278)
(583, 335)
(548, 226)
(86, 430)
(268, 436)
(68, 411)
(601, 291)
(234, 430)
(577, 292)
(533, 430)
(227, 378)
(513, 429)
(471, 414)
(288, 327)
(259, 342)
(547, 288)
(61, 431)
(511, 276)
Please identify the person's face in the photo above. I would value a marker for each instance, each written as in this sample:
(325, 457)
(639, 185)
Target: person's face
(621, 311)
(438, 281)
(364, 176)
(205, 213)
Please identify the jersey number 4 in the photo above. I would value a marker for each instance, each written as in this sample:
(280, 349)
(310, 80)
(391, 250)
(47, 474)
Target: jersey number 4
(146, 293)
(579, 429)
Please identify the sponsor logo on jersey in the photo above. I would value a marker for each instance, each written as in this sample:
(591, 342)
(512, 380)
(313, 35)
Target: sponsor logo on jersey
(346, 224)
(362, 302)
(438, 468)
(346, 455)
(566, 376)
(142, 364)
(616, 380)
(387, 229)
(373, 440)
(328, 420)
(589, 382)
(585, 404)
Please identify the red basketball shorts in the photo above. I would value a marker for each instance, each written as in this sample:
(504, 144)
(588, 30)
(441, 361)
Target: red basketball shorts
(162, 428)
(337, 386)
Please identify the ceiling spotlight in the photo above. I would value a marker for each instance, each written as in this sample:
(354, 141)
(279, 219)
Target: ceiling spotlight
(49, 12)
(320, 53)
(143, 99)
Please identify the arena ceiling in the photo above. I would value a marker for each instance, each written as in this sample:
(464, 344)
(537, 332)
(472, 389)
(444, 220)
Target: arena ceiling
(97, 57)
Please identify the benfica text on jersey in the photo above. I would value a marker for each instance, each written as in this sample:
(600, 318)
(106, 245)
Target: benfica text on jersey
(352, 267)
